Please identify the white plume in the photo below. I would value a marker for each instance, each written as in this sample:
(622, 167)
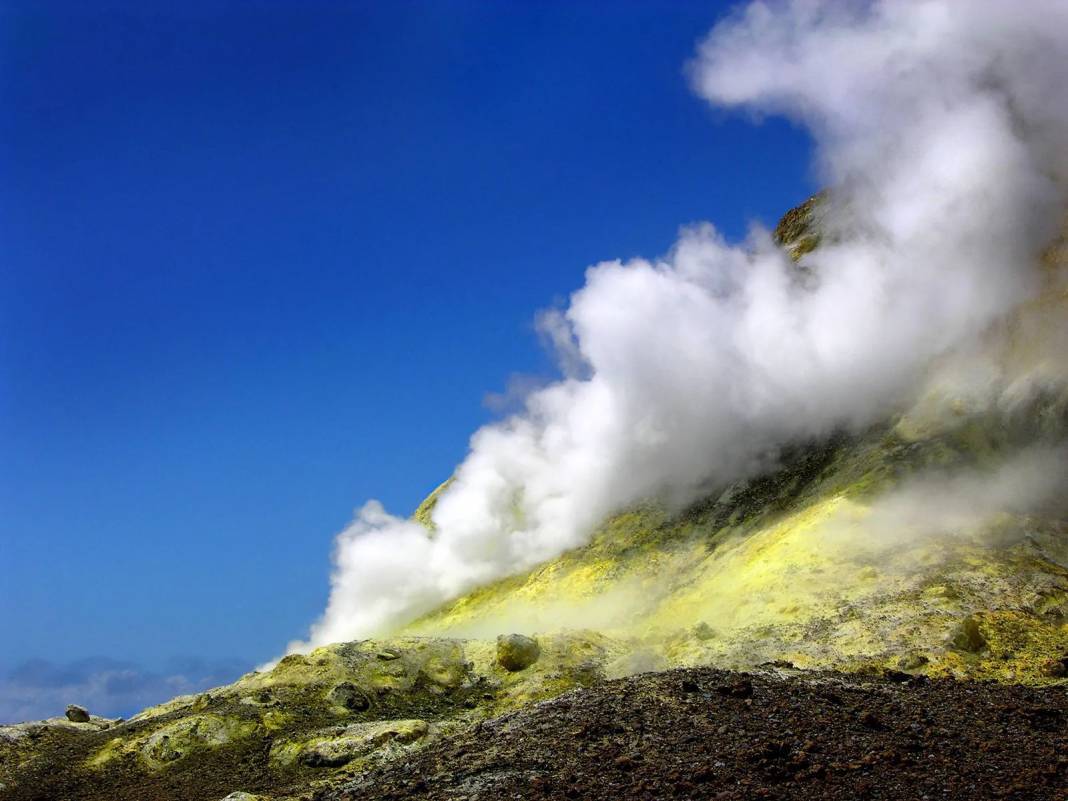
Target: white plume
(942, 127)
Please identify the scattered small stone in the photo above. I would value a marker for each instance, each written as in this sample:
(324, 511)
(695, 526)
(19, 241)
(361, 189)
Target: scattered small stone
(868, 718)
(740, 687)
(897, 676)
(77, 714)
(517, 652)
(704, 775)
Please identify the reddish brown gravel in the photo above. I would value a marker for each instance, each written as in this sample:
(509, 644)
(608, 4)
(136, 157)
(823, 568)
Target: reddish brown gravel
(707, 734)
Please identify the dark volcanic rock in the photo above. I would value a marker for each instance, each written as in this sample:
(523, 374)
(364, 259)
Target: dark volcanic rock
(706, 734)
(77, 714)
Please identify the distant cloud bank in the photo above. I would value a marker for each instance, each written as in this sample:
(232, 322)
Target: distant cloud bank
(38, 689)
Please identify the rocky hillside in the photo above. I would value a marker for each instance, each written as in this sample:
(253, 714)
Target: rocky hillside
(310, 722)
(811, 565)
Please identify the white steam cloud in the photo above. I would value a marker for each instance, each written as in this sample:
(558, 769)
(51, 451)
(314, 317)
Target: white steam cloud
(942, 126)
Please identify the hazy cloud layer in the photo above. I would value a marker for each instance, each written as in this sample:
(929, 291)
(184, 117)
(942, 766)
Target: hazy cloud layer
(38, 689)
(943, 128)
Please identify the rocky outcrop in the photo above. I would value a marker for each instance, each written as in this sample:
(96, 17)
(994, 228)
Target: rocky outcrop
(799, 229)
(310, 721)
(77, 714)
(339, 746)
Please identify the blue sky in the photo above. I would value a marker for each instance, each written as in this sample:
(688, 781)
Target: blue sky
(262, 261)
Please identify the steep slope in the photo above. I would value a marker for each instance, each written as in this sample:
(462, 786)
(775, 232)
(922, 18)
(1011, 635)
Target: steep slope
(775, 569)
(850, 555)
(934, 543)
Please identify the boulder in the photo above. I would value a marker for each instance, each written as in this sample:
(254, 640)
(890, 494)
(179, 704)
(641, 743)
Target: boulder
(77, 714)
(191, 735)
(517, 652)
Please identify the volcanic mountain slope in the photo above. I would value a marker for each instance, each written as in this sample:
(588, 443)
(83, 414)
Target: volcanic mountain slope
(774, 568)
(934, 544)
(931, 542)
